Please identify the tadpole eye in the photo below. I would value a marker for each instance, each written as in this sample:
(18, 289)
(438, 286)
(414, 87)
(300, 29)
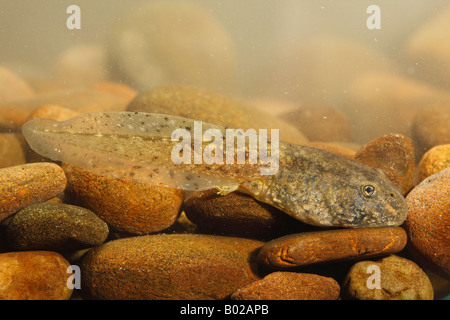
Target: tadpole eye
(368, 190)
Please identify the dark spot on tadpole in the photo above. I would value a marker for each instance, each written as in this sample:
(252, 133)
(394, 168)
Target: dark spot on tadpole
(188, 178)
(137, 167)
(165, 118)
(171, 174)
(188, 128)
(156, 170)
(136, 113)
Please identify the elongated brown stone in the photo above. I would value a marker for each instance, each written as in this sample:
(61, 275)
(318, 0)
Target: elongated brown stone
(169, 267)
(23, 185)
(331, 246)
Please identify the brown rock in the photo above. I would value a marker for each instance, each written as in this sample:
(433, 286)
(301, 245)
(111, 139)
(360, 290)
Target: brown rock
(66, 228)
(14, 114)
(33, 275)
(11, 150)
(176, 266)
(434, 160)
(290, 286)
(320, 123)
(12, 87)
(209, 106)
(176, 42)
(399, 279)
(127, 207)
(23, 185)
(431, 128)
(236, 214)
(394, 155)
(428, 222)
(310, 248)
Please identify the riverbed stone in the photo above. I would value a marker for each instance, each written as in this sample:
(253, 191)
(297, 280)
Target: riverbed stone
(399, 279)
(237, 214)
(290, 286)
(311, 248)
(55, 227)
(34, 275)
(428, 222)
(169, 266)
(127, 207)
(23, 185)
(434, 160)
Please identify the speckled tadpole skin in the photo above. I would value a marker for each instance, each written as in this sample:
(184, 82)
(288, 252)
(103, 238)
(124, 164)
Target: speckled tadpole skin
(314, 186)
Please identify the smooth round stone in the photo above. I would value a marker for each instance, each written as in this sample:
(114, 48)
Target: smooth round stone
(210, 106)
(394, 155)
(428, 222)
(33, 275)
(309, 248)
(172, 42)
(55, 227)
(23, 185)
(237, 214)
(290, 286)
(127, 207)
(399, 279)
(434, 160)
(166, 267)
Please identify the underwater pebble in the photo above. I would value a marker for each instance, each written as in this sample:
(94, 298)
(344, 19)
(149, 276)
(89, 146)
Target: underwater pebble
(209, 106)
(11, 150)
(12, 87)
(290, 286)
(66, 228)
(128, 207)
(394, 155)
(23, 185)
(237, 214)
(320, 123)
(169, 267)
(433, 161)
(400, 279)
(15, 113)
(428, 222)
(310, 248)
(172, 42)
(431, 128)
(33, 275)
